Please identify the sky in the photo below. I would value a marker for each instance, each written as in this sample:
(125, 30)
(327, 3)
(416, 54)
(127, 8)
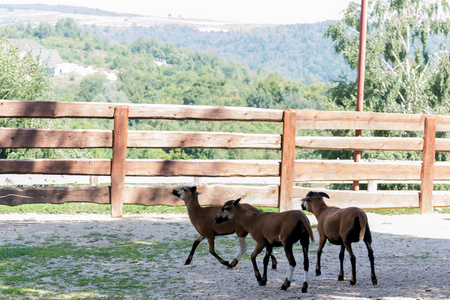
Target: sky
(247, 11)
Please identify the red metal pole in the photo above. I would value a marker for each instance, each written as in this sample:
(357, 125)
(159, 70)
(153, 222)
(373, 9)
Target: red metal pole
(361, 67)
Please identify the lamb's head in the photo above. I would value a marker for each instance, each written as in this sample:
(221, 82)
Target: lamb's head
(186, 193)
(311, 199)
(227, 212)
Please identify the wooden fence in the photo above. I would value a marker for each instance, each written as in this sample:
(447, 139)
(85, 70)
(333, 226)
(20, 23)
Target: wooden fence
(287, 169)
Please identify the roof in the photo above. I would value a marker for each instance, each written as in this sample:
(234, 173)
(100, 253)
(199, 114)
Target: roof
(49, 57)
(25, 44)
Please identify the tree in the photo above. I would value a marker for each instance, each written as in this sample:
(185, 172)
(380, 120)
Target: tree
(91, 86)
(405, 71)
(68, 28)
(22, 78)
(25, 79)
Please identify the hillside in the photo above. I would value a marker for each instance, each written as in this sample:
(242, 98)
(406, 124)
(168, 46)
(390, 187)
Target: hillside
(299, 52)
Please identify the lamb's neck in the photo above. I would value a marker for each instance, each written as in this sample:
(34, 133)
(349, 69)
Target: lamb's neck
(246, 218)
(193, 205)
(319, 208)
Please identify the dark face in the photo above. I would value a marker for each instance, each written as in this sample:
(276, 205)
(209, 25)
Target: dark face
(225, 213)
(304, 201)
(310, 198)
(185, 192)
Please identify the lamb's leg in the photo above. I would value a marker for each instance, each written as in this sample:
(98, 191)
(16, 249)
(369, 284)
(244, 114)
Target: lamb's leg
(194, 246)
(290, 257)
(269, 249)
(274, 262)
(372, 263)
(258, 249)
(213, 252)
(348, 246)
(322, 241)
(242, 249)
(304, 240)
(341, 263)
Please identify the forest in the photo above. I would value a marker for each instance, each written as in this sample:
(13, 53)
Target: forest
(282, 67)
(187, 77)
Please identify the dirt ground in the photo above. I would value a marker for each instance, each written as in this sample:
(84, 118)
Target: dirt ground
(411, 258)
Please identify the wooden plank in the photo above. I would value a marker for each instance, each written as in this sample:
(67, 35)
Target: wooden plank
(56, 166)
(208, 168)
(54, 138)
(287, 160)
(361, 143)
(441, 199)
(363, 199)
(119, 160)
(309, 170)
(183, 139)
(441, 171)
(205, 113)
(427, 171)
(212, 195)
(56, 195)
(309, 119)
(53, 109)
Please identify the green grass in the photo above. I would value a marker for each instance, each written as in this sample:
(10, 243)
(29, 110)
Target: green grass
(66, 270)
(90, 208)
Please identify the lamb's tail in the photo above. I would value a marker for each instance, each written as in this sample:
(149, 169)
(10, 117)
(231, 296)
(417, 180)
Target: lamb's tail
(308, 229)
(311, 235)
(362, 224)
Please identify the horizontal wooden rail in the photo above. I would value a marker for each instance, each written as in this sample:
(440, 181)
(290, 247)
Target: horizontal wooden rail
(213, 195)
(207, 168)
(307, 170)
(56, 166)
(309, 119)
(54, 138)
(182, 139)
(49, 109)
(71, 138)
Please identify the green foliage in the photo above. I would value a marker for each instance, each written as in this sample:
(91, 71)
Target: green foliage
(91, 86)
(407, 65)
(405, 72)
(22, 78)
(153, 72)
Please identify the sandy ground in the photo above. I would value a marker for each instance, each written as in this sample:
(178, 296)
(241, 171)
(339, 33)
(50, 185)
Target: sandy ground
(411, 258)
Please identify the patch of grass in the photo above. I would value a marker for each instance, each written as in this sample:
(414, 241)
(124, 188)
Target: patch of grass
(91, 208)
(90, 271)
(406, 211)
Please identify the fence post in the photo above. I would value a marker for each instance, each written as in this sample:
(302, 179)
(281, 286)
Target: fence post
(118, 162)
(427, 171)
(287, 160)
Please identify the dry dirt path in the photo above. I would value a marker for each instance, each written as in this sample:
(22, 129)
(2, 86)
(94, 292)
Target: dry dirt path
(411, 259)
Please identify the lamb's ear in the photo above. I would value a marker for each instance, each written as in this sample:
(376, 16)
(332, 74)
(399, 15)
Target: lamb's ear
(310, 193)
(324, 195)
(194, 190)
(236, 201)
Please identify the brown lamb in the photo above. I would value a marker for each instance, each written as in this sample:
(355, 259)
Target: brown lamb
(272, 230)
(341, 227)
(202, 218)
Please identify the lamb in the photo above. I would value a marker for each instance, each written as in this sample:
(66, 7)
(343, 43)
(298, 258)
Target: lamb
(272, 230)
(202, 218)
(341, 227)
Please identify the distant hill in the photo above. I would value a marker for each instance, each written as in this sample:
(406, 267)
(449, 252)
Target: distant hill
(299, 52)
(65, 9)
